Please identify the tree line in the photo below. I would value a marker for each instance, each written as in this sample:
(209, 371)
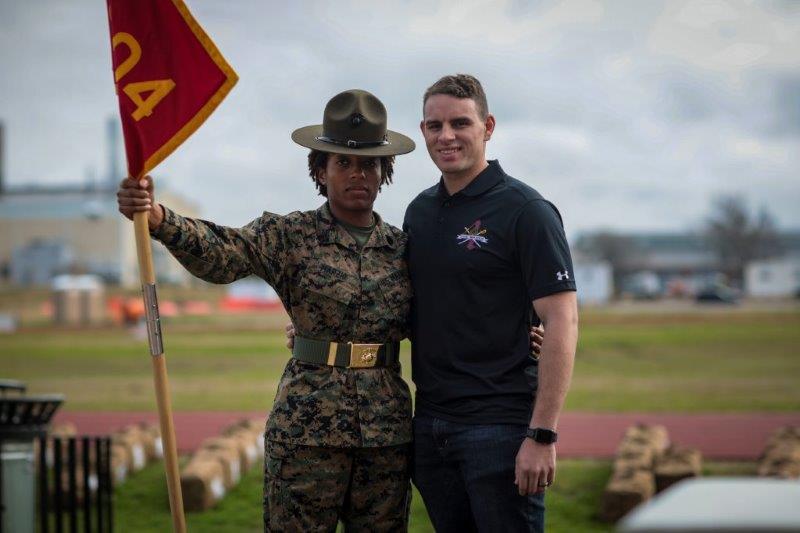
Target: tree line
(735, 234)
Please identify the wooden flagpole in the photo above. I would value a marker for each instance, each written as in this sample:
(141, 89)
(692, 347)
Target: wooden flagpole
(160, 380)
(186, 73)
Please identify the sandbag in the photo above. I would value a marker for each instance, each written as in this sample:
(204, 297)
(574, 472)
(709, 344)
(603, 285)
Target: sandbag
(781, 461)
(132, 442)
(202, 484)
(625, 490)
(149, 436)
(636, 455)
(677, 464)
(120, 459)
(254, 427)
(228, 459)
(652, 435)
(244, 443)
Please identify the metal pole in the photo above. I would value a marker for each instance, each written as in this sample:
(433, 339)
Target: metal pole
(58, 485)
(160, 379)
(2, 505)
(98, 460)
(73, 485)
(108, 483)
(87, 491)
(44, 523)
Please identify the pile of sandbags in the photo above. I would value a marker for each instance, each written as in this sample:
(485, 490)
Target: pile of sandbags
(646, 463)
(632, 480)
(219, 463)
(781, 456)
(133, 447)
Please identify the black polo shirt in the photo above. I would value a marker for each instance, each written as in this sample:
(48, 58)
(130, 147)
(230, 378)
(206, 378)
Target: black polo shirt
(477, 259)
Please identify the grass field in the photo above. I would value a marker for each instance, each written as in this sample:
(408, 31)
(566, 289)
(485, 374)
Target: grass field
(688, 362)
(572, 503)
(692, 360)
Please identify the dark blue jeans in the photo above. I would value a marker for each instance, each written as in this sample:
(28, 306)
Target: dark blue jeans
(465, 474)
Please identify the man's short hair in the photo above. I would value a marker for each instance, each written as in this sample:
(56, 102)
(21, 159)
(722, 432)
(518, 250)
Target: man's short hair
(318, 160)
(460, 86)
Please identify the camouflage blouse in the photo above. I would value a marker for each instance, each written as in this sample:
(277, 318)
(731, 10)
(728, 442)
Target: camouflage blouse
(332, 291)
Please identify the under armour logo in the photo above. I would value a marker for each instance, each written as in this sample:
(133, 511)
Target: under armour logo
(562, 275)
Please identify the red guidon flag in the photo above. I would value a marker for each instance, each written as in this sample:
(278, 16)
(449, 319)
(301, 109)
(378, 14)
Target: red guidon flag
(169, 77)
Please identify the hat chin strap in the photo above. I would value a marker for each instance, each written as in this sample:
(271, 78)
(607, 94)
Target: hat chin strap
(351, 143)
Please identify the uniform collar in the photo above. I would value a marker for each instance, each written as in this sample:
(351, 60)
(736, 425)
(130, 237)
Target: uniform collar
(328, 231)
(485, 180)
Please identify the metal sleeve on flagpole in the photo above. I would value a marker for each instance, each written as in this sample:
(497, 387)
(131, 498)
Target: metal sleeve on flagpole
(153, 319)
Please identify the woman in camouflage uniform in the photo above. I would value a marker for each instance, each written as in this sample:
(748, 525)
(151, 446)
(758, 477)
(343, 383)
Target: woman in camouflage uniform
(338, 436)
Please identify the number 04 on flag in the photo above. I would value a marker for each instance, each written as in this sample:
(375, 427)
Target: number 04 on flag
(169, 77)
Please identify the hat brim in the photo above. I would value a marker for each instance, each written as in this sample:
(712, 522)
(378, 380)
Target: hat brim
(398, 143)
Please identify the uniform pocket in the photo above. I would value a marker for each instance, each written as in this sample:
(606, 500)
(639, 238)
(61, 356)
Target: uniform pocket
(275, 454)
(329, 283)
(396, 290)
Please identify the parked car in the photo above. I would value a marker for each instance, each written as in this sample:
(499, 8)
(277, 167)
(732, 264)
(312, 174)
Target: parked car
(719, 294)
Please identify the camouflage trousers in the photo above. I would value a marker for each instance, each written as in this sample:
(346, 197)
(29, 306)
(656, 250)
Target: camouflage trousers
(310, 489)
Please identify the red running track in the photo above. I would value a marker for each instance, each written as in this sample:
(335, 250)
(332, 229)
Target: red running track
(591, 435)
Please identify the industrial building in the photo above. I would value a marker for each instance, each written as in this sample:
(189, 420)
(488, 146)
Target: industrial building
(774, 278)
(48, 231)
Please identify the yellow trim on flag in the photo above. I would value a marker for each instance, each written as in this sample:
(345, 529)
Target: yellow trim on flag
(195, 122)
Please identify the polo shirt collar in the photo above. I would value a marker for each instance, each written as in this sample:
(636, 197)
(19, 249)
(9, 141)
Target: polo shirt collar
(485, 180)
(329, 232)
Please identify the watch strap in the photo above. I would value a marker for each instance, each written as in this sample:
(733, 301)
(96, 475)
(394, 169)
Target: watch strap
(542, 435)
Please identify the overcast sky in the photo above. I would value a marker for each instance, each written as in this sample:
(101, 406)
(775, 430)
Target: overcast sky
(626, 114)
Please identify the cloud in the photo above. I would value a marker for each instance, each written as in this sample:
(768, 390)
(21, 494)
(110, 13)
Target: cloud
(627, 114)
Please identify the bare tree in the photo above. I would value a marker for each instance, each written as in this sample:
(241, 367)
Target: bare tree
(738, 237)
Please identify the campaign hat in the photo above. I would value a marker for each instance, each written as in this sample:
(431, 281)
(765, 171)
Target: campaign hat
(354, 123)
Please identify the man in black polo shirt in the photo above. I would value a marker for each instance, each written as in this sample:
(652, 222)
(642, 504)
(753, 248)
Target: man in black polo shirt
(483, 247)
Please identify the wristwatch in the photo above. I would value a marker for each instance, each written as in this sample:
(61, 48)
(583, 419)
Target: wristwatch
(541, 435)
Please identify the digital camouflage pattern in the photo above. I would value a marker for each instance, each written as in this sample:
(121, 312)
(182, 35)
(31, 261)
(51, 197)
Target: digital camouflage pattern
(305, 488)
(332, 291)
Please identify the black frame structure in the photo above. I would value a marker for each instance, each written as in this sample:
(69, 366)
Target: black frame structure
(94, 461)
(23, 419)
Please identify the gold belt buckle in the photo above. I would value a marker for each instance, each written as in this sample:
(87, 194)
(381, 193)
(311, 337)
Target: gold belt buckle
(363, 355)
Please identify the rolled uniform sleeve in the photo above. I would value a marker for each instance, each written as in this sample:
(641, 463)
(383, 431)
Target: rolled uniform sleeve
(220, 254)
(543, 250)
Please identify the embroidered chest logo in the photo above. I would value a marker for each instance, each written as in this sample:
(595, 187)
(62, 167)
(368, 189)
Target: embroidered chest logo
(473, 236)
